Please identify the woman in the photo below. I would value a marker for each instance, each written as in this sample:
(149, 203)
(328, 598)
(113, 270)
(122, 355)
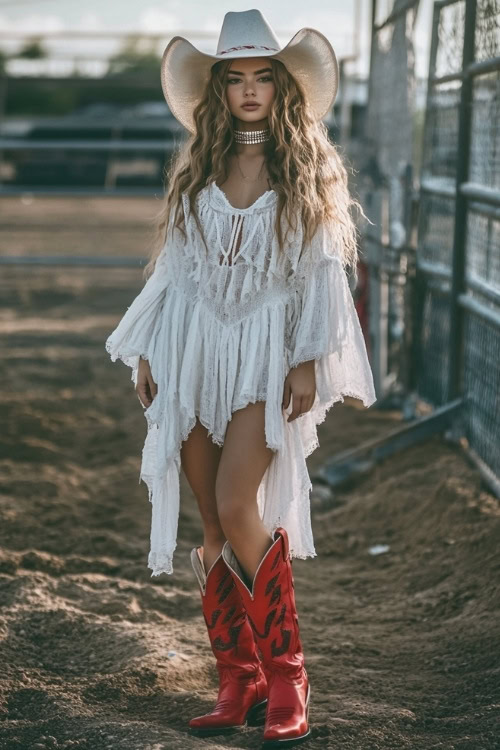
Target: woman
(245, 324)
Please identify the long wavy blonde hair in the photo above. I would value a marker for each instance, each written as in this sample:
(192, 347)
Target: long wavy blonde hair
(304, 166)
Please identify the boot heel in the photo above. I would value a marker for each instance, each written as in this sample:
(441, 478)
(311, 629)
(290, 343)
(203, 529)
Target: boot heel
(256, 716)
(271, 610)
(242, 681)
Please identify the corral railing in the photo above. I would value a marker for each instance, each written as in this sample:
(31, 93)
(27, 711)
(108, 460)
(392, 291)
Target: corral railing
(429, 180)
(384, 160)
(456, 350)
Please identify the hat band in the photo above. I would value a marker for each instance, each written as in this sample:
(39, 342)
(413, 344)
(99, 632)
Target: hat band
(247, 46)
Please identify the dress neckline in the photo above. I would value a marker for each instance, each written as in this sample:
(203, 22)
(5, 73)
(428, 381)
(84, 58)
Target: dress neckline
(251, 207)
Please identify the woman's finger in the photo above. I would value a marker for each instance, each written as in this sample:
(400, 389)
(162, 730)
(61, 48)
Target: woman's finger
(152, 385)
(310, 403)
(297, 408)
(143, 393)
(286, 395)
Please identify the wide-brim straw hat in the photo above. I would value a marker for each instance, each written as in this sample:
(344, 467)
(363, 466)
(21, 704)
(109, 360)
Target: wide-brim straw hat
(308, 56)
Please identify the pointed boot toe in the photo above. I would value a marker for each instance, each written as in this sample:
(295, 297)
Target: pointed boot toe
(242, 695)
(271, 610)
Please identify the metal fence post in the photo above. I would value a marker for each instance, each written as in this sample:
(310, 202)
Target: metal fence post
(372, 53)
(460, 225)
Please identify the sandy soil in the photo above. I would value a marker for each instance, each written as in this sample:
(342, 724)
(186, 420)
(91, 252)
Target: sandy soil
(34, 225)
(402, 648)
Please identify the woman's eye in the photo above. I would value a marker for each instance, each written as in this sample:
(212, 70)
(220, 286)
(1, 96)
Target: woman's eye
(263, 78)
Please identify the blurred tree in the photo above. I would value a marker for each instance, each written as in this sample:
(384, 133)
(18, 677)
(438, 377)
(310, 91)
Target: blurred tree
(138, 56)
(32, 50)
(133, 76)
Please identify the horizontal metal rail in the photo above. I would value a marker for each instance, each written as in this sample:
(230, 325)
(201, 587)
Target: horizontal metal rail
(146, 83)
(436, 80)
(440, 271)
(442, 186)
(476, 307)
(471, 71)
(117, 121)
(445, 187)
(483, 67)
(14, 144)
(116, 34)
(70, 260)
(352, 462)
(482, 287)
(61, 191)
(481, 193)
(444, 3)
(14, 34)
(484, 209)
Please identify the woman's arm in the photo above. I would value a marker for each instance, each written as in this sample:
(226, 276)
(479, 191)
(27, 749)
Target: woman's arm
(326, 346)
(134, 335)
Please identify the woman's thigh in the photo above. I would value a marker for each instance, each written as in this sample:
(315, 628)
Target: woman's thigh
(200, 458)
(245, 456)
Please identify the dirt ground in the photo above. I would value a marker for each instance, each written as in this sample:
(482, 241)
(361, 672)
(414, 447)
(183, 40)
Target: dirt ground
(402, 648)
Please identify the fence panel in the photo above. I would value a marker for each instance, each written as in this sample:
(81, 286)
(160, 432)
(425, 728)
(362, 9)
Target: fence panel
(457, 351)
(385, 155)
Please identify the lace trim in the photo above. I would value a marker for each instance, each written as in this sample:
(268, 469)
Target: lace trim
(275, 524)
(160, 562)
(219, 201)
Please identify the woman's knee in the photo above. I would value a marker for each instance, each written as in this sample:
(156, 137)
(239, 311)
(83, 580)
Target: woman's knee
(232, 507)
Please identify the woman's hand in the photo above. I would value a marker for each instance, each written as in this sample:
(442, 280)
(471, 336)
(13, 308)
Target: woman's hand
(146, 387)
(301, 384)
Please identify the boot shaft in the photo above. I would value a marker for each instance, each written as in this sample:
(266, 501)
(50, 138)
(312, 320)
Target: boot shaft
(230, 634)
(270, 603)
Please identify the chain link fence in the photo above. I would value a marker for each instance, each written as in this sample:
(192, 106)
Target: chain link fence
(384, 159)
(458, 261)
(434, 249)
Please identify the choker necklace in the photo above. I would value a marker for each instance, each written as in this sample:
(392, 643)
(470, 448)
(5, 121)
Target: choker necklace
(252, 136)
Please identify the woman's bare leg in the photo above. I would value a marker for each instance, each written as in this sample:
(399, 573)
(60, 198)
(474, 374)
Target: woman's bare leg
(244, 460)
(200, 458)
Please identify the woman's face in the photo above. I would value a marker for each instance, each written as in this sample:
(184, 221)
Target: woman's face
(250, 81)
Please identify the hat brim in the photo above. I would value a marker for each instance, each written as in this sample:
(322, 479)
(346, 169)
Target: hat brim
(308, 56)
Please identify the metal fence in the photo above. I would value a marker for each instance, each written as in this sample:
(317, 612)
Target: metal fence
(457, 343)
(383, 157)
(434, 198)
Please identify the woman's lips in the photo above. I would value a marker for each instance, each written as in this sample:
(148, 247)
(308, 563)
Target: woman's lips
(250, 106)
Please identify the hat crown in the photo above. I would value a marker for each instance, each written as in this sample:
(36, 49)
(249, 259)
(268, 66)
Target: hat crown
(246, 30)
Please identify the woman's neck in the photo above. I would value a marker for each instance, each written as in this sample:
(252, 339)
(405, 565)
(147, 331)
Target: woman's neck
(249, 149)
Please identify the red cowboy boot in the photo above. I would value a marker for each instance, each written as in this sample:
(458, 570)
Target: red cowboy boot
(242, 694)
(270, 606)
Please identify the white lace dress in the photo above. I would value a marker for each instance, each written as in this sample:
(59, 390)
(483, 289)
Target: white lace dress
(222, 330)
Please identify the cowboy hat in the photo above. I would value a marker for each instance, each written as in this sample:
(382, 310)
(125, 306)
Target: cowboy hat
(308, 56)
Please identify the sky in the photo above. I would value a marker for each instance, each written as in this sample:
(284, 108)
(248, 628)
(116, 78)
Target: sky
(334, 18)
